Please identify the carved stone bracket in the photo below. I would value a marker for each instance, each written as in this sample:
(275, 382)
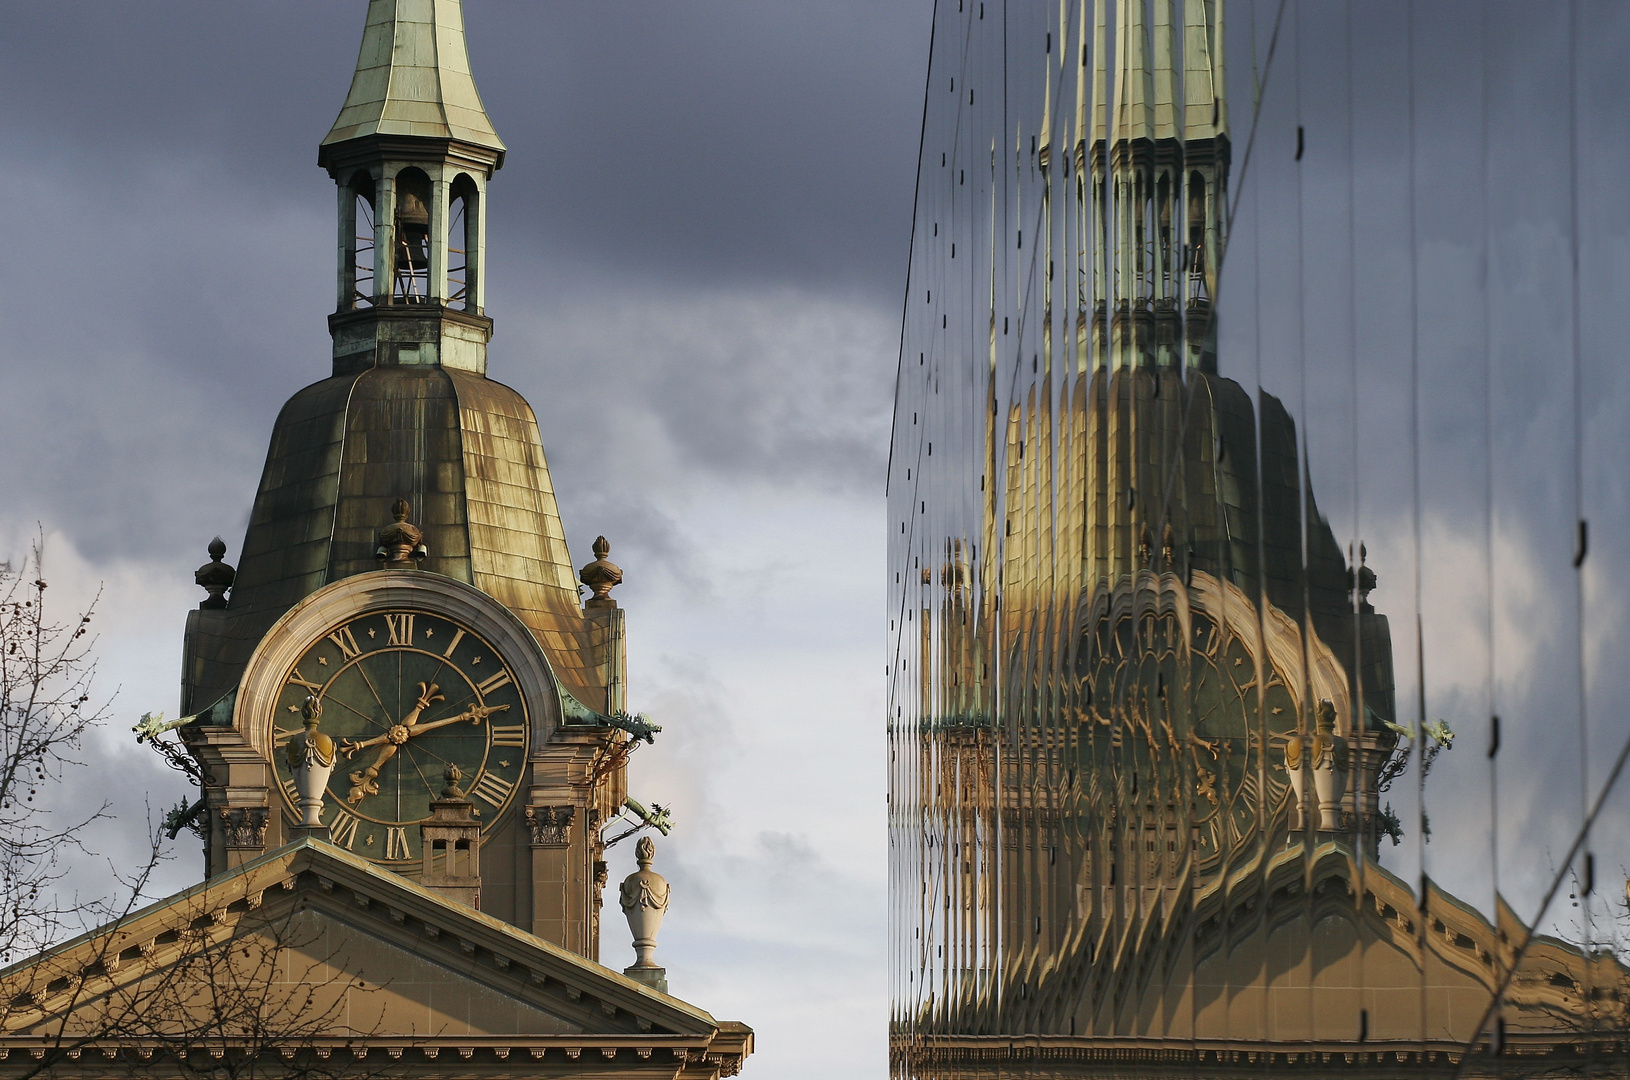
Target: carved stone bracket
(245, 826)
(551, 825)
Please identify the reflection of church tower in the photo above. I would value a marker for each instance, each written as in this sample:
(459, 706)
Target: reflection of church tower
(409, 413)
(1165, 639)
(1141, 706)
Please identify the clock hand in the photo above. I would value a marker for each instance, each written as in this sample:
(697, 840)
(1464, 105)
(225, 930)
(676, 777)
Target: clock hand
(401, 733)
(364, 782)
(474, 714)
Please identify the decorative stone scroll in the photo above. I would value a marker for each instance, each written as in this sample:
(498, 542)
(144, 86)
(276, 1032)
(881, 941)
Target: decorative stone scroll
(551, 825)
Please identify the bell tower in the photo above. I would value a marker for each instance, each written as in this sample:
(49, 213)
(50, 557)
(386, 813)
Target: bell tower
(405, 495)
(411, 153)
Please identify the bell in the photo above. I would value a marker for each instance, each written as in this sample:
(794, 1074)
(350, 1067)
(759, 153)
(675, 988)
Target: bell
(413, 200)
(413, 244)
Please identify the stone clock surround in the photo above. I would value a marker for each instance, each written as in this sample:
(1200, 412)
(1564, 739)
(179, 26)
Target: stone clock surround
(541, 864)
(393, 590)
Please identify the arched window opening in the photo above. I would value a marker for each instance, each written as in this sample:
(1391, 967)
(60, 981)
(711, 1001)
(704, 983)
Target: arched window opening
(1197, 239)
(1163, 202)
(411, 274)
(362, 242)
(1144, 239)
(460, 243)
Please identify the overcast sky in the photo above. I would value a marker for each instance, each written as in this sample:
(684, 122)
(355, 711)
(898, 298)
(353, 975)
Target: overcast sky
(697, 248)
(696, 258)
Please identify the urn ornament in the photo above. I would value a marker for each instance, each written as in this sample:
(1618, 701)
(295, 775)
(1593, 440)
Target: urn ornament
(311, 760)
(644, 897)
(1295, 769)
(1331, 763)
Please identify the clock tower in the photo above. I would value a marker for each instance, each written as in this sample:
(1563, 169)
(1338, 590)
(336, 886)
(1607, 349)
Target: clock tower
(405, 576)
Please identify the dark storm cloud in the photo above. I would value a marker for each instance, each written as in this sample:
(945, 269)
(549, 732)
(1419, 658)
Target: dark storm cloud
(739, 141)
(746, 168)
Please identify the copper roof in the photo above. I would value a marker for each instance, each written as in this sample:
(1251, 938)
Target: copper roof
(465, 452)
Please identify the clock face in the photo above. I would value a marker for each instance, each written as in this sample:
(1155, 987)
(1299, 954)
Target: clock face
(404, 695)
(1178, 717)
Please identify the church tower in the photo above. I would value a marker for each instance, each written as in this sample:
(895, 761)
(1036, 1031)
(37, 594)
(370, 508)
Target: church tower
(405, 574)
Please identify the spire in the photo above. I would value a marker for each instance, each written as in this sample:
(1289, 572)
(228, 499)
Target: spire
(411, 153)
(1096, 129)
(413, 78)
(1133, 91)
(1205, 106)
(1165, 106)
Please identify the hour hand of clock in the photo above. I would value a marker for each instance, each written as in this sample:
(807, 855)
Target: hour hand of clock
(364, 782)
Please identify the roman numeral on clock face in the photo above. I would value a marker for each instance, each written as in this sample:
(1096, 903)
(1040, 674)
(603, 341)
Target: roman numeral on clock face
(290, 791)
(496, 682)
(396, 842)
(458, 636)
(401, 629)
(509, 735)
(345, 642)
(343, 828)
(493, 788)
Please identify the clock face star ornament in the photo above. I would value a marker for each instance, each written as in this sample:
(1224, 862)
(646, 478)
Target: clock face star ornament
(404, 695)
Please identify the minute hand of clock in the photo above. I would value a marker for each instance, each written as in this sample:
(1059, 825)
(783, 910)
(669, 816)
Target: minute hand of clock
(364, 781)
(474, 714)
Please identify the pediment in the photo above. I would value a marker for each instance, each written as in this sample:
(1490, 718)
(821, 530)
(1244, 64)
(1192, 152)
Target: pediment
(312, 951)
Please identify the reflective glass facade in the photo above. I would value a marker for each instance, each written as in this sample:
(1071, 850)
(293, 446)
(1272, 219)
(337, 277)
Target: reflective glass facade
(1255, 495)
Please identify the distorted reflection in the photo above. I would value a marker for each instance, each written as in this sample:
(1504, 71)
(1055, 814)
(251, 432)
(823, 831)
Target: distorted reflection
(1144, 725)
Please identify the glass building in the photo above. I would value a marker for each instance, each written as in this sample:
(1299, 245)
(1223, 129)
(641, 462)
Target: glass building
(1218, 322)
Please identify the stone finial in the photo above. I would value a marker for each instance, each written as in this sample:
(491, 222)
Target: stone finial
(311, 760)
(602, 575)
(452, 775)
(644, 898)
(216, 576)
(401, 543)
(1360, 579)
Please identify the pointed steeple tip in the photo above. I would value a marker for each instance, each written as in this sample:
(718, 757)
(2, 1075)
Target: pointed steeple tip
(413, 78)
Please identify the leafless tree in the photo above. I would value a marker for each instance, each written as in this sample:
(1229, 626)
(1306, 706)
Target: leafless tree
(229, 1000)
(47, 707)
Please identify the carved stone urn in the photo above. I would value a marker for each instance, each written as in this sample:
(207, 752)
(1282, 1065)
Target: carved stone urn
(644, 897)
(601, 576)
(1296, 770)
(311, 760)
(1331, 765)
(401, 543)
(215, 576)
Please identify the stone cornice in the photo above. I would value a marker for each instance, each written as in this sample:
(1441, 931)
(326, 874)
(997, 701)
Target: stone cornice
(395, 910)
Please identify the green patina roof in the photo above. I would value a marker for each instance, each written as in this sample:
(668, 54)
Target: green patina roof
(413, 77)
(465, 452)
